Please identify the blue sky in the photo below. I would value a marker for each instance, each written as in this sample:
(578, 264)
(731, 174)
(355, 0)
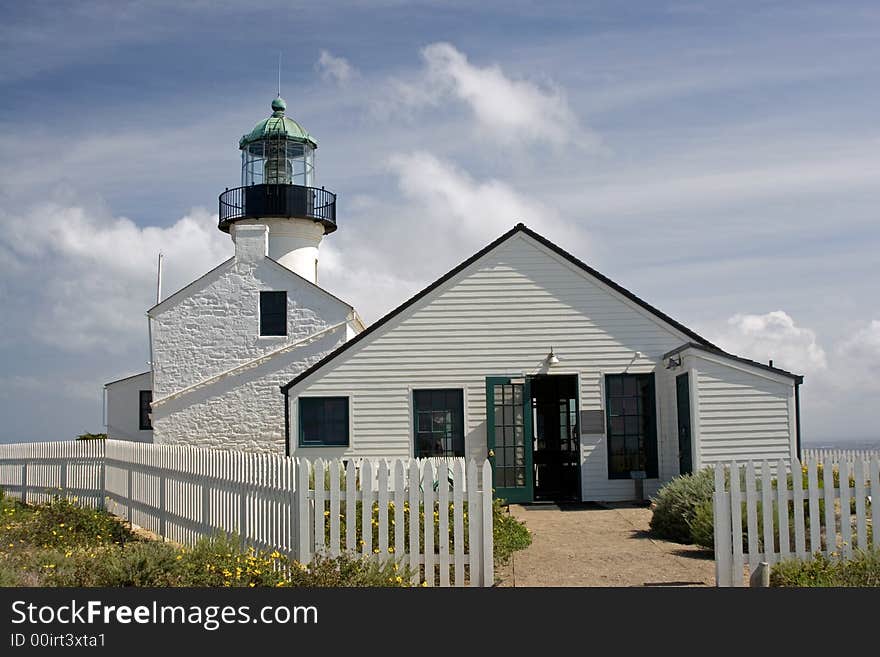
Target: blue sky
(718, 159)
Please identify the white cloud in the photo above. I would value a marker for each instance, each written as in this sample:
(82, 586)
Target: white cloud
(510, 110)
(334, 68)
(87, 279)
(859, 356)
(442, 215)
(775, 336)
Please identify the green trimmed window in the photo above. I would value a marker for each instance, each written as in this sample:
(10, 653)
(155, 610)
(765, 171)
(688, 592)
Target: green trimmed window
(323, 422)
(631, 425)
(439, 422)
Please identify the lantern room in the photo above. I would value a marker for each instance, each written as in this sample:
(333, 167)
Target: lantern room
(278, 151)
(278, 176)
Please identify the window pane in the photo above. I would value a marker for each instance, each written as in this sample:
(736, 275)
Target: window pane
(146, 398)
(323, 421)
(439, 425)
(631, 430)
(273, 313)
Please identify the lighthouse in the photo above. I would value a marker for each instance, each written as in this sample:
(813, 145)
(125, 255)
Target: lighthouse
(278, 191)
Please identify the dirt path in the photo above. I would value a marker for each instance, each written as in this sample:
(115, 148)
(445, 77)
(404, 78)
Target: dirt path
(601, 545)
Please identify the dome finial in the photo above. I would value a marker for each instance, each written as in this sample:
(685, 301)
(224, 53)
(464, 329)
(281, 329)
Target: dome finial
(279, 106)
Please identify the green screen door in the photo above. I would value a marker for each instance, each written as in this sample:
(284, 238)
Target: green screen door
(509, 437)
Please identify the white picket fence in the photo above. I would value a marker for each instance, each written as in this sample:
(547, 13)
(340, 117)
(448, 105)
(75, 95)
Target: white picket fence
(752, 513)
(822, 455)
(34, 472)
(296, 506)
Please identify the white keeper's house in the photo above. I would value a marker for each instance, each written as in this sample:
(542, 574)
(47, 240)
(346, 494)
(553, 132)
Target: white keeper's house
(574, 387)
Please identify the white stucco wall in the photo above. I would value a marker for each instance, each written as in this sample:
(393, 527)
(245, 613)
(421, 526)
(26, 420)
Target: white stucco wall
(123, 408)
(212, 327)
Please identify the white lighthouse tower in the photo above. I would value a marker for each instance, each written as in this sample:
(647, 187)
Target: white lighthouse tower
(277, 190)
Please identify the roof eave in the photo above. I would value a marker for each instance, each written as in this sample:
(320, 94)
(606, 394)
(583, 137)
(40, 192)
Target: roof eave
(799, 378)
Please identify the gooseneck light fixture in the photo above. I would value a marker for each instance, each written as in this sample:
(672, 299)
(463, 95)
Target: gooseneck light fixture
(552, 359)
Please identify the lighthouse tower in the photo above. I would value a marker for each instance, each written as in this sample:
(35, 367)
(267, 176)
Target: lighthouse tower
(278, 191)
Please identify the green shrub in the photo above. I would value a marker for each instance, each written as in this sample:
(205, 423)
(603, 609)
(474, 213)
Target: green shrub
(349, 571)
(222, 561)
(61, 524)
(146, 563)
(675, 505)
(862, 570)
(702, 525)
(508, 534)
(8, 574)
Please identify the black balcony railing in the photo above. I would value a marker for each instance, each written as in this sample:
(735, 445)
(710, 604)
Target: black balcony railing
(290, 201)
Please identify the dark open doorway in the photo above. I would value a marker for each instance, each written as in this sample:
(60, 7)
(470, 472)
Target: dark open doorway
(556, 455)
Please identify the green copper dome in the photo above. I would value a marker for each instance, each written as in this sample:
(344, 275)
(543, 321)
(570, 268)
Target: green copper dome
(278, 126)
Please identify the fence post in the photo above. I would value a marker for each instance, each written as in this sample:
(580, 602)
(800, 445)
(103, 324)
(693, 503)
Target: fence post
(488, 538)
(102, 477)
(129, 495)
(303, 533)
(24, 472)
(721, 509)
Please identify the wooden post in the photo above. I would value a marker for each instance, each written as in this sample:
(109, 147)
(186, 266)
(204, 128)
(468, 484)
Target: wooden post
(721, 508)
(761, 577)
(488, 537)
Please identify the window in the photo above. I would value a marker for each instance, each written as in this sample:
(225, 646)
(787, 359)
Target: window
(632, 426)
(439, 422)
(273, 313)
(323, 421)
(144, 422)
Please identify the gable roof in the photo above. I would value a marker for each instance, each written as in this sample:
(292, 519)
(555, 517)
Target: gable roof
(181, 292)
(126, 378)
(709, 349)
(519, 228)
(314, 285)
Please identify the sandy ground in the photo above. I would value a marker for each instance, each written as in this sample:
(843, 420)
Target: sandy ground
(601, 545)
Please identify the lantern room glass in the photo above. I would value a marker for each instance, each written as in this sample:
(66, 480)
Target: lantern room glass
(277, 162)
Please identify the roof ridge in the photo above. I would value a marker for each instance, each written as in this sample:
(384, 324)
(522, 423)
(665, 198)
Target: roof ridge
(520, 227)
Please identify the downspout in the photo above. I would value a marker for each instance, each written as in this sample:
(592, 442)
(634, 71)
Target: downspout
(797, 416)
(286, 422)
(150, 338)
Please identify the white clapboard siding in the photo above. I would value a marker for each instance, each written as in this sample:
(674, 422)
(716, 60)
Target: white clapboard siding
(500, 315)
(273, 502)
(793, 513)
(742, 415)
